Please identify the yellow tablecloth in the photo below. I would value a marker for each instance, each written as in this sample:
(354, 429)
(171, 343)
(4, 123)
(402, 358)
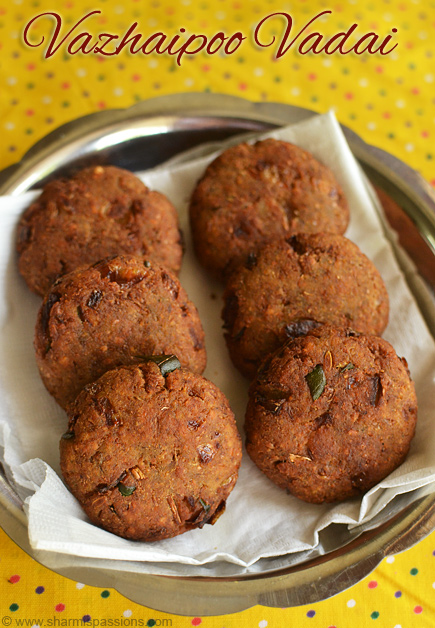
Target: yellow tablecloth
(387, 99)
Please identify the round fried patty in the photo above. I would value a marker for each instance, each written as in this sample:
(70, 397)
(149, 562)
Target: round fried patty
(293, 285)
(99, 212)
(254, 193)
(114, 312)
(331, 414)
(150, 456)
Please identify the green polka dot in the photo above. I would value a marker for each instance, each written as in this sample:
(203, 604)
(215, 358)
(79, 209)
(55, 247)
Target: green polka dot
(414, 571)
(151, 622)
(13, 607)
(429, 156)
(277, 79)
(382, 92)
(374, 615)
(314, 99)
(391, 136)
(411, 66)
(28, 131)
(30, 85)
(105, 593)
(345, 71)
(101, 77)
(66, 104)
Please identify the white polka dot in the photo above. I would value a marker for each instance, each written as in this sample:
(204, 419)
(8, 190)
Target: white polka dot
(433, 585)
(394, 56)
(153, 63)
(189, 82)
(9, 126)
(220, 15)
(152, 22)
(35, 626)
(295, 91)
(398, 626)
(119, 9)
(81, 72)
(18, 2)
(351, 603)
(185, 2)
(79, 585)
(363, 82)
(429, 78)
(422, 35)
(47, 100)
(400, 104)
(14, 34)
(390, 559)
(371, 126)
(127, 613)
(409, 147)
(262, 623)
(118, 91)
(327, 63)
(11, 80)
(258, 71)
(387, 17)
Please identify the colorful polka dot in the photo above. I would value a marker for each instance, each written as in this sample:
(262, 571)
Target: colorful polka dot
(86, 618)
(39, 590)
(372, 584)
(418, 610)
(374, 615)
(13, 607)
(14, 579)
(196, 621)
(59, 607)
(311, 613)
(414, 571)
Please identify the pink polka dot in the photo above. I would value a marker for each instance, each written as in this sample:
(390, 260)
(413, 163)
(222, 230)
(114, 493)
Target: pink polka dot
(425, 134)
(349, 96)
(14, 579)
(312, 76)
(196, 621)
(136, 77)
(30, 66)
(243, 87)
(373, 584)
(418, 610)
(30, 112)
(415, 90)
(66, 85)
(379, 69)
(206, 68)
(386, 115)
(59, 607)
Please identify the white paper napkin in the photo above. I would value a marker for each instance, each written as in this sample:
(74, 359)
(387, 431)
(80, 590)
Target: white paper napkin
(261, 520)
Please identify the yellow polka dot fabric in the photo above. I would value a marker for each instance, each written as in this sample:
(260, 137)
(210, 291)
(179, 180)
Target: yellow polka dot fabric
(389, 100)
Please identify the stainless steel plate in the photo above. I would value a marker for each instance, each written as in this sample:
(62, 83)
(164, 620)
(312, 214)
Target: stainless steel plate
(139, 138)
